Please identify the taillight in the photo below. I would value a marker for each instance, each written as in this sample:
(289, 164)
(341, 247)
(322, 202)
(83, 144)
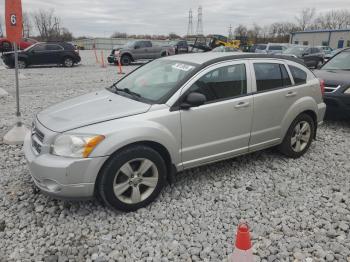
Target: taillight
(322, 86)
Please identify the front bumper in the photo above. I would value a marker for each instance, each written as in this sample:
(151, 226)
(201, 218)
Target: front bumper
(111, 59)
(338, 104)
(61, 177)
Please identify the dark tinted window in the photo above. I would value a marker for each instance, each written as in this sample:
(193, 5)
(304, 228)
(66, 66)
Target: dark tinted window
(222, 83)
(298, 74)
(144, 44)
(53, 47)
(275, 47)
(315, 50)
(268, 76)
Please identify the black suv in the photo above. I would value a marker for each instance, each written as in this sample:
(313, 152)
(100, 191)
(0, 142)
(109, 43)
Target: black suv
(312, 56)
(181, 46)
(59, 53)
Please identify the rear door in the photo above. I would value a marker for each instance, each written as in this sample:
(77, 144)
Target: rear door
(54, 53)
(221, 127)
(275, 94)
(37, 55)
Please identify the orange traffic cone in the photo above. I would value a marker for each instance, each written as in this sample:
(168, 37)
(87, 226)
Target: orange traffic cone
(120, 70)
(243, 248)
(103, 65)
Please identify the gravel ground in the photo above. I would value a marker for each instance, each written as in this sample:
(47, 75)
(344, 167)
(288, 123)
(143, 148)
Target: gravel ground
(298, 210)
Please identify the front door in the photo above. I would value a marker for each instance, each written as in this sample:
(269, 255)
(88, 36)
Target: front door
(340, 43)
(221, 127)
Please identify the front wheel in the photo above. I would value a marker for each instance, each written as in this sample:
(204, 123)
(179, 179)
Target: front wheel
(132, 178)
(125, 60)
(318, 64)
(299, 137)
(22, 64)
(68, 62)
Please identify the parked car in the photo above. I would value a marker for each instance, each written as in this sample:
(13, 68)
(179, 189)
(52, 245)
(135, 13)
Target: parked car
(336, 74)
(180, 46)
(140, 50)
(44, 54)
(225, 49)
(312, 56)
(331, 54)
(6, 46)
(172, 114)
(326, 49)
(271, 48)
(257, 47)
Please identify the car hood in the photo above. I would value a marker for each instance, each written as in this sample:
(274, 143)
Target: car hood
(89, 109)
(334, 77)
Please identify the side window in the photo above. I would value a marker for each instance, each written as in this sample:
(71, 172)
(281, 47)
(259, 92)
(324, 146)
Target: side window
(39, 48)
(146, 44)
(222, 83)
(298, 74)
(275, 47)
(53, 47)
(269, 76)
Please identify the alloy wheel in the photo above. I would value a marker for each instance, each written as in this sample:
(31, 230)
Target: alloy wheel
(68, 62)
(135, 181)
(301, 136)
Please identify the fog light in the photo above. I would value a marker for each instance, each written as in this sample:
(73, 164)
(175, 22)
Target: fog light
(51, 185)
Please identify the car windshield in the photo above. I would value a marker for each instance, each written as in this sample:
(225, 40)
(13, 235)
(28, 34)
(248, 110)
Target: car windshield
(30, 47)
(154, 80)
(297, 50)
(339, 62)
(129, 44)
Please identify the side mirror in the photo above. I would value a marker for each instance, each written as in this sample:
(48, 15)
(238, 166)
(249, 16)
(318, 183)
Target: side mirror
(305, 54)
(136, 47)
(193, 99)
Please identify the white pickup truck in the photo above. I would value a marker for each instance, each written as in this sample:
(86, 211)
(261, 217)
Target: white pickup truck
(139, 50)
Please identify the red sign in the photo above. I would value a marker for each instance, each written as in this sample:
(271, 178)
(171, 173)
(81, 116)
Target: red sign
(13, 16)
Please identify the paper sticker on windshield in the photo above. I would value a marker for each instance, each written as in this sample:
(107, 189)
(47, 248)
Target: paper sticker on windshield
(183, 67)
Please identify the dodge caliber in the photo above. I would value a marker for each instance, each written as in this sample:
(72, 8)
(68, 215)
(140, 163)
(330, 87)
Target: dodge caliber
(122, 144)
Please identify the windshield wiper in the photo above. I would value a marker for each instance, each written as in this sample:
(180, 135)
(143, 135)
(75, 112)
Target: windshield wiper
(125, 90)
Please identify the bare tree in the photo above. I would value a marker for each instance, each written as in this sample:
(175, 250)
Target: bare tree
(335, 19)
(47, 24)
(305, 18)
(119, 35)
(241, 31)
(27, 25)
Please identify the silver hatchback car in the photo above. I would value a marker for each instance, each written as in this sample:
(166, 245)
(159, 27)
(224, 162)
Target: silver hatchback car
(174, 113)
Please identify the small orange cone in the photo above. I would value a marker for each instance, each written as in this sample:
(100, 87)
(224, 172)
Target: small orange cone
(120, 71)
(97, 62)
(102, 60)
(243, 248)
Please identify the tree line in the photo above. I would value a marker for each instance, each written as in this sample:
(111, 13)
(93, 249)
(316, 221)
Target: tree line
(44, 25)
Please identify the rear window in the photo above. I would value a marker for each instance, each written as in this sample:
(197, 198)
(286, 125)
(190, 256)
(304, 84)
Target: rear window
(270, 76)
(298, 74)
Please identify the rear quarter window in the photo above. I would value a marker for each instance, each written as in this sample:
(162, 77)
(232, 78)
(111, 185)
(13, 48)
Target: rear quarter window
(299, 75)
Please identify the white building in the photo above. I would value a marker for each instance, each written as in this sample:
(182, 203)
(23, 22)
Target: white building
(333, 38)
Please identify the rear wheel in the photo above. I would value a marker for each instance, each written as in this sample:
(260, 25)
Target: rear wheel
(125, 60)
(299, 137)
(68, 62)
(132, 178)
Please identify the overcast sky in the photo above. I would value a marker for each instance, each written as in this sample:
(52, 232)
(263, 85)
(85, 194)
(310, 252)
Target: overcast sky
(103, 17)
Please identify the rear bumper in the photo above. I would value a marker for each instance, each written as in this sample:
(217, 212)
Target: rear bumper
(61, 177)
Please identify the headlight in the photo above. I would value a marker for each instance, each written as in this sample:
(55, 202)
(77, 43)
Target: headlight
(75, 145)
(347, 91)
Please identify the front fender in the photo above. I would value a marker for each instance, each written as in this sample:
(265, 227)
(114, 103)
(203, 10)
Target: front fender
(123, 132)
(303, 104)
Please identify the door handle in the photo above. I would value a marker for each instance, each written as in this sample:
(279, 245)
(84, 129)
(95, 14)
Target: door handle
(242, 104)
(291, 94)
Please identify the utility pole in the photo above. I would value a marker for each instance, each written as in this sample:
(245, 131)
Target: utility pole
(230, 34)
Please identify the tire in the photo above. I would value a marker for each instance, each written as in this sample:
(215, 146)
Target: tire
(127, 192)
(68, 62)
(22, 64)
(163, 54)
(295, 145)
(126, 60)
(318, 64)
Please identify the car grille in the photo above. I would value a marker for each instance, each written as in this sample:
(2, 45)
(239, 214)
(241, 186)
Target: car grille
(331, 88)
(37, 139)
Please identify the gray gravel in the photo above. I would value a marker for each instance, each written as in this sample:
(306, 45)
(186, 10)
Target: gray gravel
(298, 210)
